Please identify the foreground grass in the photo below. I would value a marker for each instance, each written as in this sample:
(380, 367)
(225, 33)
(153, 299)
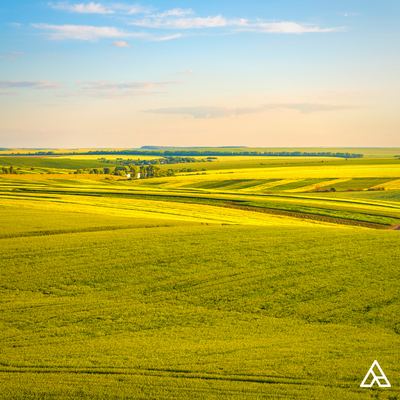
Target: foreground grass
(186, 288)
(196, 311)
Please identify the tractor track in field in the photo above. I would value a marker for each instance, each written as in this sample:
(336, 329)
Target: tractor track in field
(158, 372)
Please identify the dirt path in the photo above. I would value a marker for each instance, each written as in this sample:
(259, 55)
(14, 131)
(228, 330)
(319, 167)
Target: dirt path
(395, 228)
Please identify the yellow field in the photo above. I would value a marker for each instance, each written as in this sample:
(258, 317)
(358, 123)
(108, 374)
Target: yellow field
(391, 185)
(133, 208)
(287, 174)
(318, 185)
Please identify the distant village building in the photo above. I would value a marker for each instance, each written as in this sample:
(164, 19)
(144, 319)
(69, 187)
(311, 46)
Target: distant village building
(131, 175)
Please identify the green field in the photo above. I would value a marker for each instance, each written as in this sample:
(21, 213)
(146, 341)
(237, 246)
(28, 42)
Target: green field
(243, 282)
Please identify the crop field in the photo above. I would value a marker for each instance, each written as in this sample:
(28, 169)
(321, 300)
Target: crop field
(247, 282)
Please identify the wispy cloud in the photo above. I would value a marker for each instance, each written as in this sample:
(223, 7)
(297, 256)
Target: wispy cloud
(84, 32)
(175, 19)
(170, 37)
(102, 85)
(15, 24)
(189, 71)
(187, 23)
(93, 33)
(176, 12)
(117, 58)
(30, 85)
(99, 8)
(8, 93)
(14, 53)
(120, 44)
(179, 18)
(217, 112)
(113, 90)
(90, 8)
(289, 27)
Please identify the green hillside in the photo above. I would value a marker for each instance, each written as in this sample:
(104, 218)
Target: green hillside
(234, 311)
(241, 283)
(49, 162)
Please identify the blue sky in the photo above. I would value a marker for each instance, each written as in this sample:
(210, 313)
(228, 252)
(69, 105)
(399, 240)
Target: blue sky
(260, 73)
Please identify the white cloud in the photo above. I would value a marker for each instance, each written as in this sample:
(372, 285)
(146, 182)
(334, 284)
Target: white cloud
(176, 12)
(16, 52)
(30, 85)
(90, 8)
(188, 23)
(175, 19)
(84, 32)
(8, 58)
(99, 8)
(15, 24)
(289, 27)
(120, 44)
(92, 33)
(161, 39)
(217, 112)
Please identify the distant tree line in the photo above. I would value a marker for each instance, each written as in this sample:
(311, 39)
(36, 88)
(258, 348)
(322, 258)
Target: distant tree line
(146, 171)
(196, 153)
(163, 160)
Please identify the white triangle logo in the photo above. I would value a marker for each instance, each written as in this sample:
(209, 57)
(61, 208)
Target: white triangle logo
(376, 377)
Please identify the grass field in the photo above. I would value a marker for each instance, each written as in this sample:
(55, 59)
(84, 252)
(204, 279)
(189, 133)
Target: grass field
(240, 283)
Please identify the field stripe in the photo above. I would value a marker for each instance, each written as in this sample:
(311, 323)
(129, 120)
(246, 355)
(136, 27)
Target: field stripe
(315, 185)
(83, 230)
(389, 185)
(261, 187)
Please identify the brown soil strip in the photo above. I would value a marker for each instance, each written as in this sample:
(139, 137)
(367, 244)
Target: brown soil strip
(395, 228)
(315, 217)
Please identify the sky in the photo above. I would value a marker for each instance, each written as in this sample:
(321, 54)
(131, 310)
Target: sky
(259, 73)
